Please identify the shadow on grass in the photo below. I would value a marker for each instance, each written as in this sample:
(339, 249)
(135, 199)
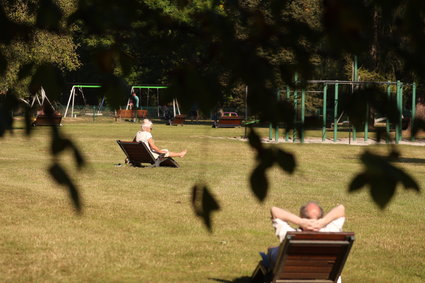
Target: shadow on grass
(410, 160)
(243, 279)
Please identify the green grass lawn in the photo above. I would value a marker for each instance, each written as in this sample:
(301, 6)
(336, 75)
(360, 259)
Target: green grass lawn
(137, 224)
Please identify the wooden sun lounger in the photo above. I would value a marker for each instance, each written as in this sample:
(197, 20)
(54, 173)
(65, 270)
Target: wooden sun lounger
(308, 257)
(138, 153)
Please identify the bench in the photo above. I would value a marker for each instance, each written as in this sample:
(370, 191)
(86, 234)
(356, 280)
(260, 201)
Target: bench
(130, 114)
(228, 122)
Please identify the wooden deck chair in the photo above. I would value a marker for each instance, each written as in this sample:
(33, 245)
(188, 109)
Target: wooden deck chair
(308, 257)
(138, 153)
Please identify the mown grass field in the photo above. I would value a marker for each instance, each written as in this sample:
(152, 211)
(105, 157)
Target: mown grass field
(137, 224)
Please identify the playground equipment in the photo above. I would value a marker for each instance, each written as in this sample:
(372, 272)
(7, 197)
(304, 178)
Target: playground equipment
(162, 112)
(71, 100)
(53, 118)
(336, 84)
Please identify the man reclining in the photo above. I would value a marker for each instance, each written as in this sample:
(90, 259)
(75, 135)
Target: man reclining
(311, 219)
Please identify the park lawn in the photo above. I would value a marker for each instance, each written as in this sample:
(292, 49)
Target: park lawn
(137, 224)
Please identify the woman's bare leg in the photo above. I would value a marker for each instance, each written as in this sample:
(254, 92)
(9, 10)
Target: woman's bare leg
(177, 154)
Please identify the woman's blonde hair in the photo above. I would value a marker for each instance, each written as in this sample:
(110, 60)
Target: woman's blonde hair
(146, 124)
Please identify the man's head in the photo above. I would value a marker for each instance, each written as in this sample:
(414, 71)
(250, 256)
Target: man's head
(134, 94)
(311, 210)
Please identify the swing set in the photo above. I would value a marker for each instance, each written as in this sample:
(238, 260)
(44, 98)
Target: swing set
(71, 100)
(299, 106)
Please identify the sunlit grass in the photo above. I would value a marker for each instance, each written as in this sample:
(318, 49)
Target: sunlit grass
(138, 225)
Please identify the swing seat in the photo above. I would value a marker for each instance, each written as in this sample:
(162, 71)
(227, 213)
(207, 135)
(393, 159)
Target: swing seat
(138, 153)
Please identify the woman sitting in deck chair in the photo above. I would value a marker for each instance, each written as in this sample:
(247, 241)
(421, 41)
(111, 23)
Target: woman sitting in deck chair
(145, 136)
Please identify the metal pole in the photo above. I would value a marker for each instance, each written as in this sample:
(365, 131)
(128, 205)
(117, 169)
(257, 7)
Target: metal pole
(325, 90)
(400, 136)
(270, 131)
(412, 120)
(157, 102)
(294, 131)
(397, 126)
(246, 104)
(366, 124)
(69, 100)
(336, 113)
(72, 106)
(288, 94)
(302, 114)
(356, 79)
(276, 130)
(388, 122)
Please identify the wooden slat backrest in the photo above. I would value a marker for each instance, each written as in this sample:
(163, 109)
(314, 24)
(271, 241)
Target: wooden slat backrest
(312, 255)
(137, 152)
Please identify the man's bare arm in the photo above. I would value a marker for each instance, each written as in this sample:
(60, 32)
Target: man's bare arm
(287, 216)
(333, 214)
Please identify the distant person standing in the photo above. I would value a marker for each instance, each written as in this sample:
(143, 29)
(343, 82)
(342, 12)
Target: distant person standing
(135, 100)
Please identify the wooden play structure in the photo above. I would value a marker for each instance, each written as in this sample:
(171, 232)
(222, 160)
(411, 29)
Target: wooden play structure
(46, 114)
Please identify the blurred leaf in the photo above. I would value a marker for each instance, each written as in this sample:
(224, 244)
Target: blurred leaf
(254, 140)
(3, 65)
(8, 104)
(115, 90)
(62, 178)
(382, 178)
(259, 182)
(348, 25)
(28, 118)
(119, 14)
(286, 161)
(78, 157)
(358, 182)
(49, 15)
(204, 204)
(357, 103)
(26, 70)
(417, 125)
(50, 78)
(11, 30)
(60, 144)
